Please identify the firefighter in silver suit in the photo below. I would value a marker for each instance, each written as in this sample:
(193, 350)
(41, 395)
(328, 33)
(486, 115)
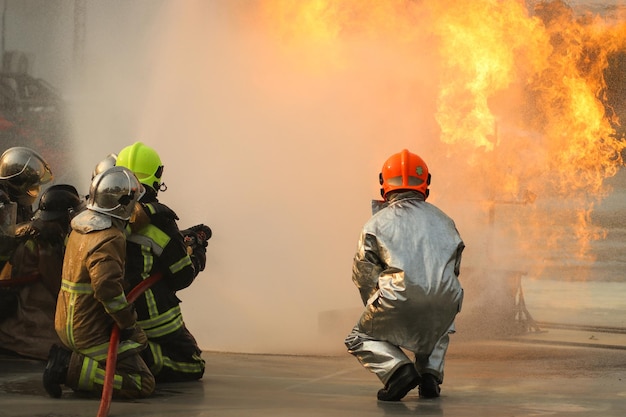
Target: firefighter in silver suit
(406, 269)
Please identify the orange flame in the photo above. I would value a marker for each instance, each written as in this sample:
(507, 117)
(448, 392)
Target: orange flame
(522, 97)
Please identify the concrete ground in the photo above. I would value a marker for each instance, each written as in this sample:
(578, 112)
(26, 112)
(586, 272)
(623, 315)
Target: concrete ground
(550, 373)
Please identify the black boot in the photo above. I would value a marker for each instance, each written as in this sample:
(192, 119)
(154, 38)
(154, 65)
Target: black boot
(429, 387)
(56, 370)
(401, 382)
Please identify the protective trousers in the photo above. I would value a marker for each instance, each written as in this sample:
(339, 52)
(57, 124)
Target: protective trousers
(174, 357)
(383, 358)
(132, 377)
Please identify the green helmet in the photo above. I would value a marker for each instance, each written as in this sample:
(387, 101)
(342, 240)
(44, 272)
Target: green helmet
(144, 161)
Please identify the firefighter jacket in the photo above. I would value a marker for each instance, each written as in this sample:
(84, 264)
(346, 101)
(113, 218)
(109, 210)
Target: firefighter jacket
(158, 246)
(24, 212)
(92, 294)
(406, 269)
(36, 276)
(9, 243)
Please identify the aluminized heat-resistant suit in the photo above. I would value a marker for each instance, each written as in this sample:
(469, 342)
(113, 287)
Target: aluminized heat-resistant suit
(406, 269)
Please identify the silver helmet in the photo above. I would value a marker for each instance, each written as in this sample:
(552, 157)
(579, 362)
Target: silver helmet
(24, 170)
(108, 162)
(114, 192)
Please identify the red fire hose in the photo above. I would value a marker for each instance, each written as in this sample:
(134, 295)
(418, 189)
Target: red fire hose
(107, 387)
(14, 282)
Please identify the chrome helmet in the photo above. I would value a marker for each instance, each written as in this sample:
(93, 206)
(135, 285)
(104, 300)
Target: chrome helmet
(24, 171)
(106, 163)
(114, 192)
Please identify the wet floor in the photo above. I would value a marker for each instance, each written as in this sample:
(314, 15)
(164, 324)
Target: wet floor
(533, 375)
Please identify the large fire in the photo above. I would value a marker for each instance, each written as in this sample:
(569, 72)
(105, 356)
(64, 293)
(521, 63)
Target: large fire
(522, 103)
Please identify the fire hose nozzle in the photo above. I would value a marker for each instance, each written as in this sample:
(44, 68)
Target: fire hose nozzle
(197, 235)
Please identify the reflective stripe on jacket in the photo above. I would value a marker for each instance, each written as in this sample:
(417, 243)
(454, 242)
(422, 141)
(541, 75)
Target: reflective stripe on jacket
(92, 290)
(159, 246)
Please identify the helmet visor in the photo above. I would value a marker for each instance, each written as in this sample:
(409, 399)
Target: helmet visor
(46, 176)
(33, 190)
(398, 181)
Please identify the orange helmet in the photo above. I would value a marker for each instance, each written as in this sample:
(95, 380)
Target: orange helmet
(404, 171)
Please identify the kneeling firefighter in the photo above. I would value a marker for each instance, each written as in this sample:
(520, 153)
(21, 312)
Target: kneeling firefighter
(92, 297)
(156, 245)
(36, 267)
(22, 173)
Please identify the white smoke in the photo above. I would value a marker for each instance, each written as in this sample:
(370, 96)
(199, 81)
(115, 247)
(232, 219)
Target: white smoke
(275, 145)
(281, 162)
